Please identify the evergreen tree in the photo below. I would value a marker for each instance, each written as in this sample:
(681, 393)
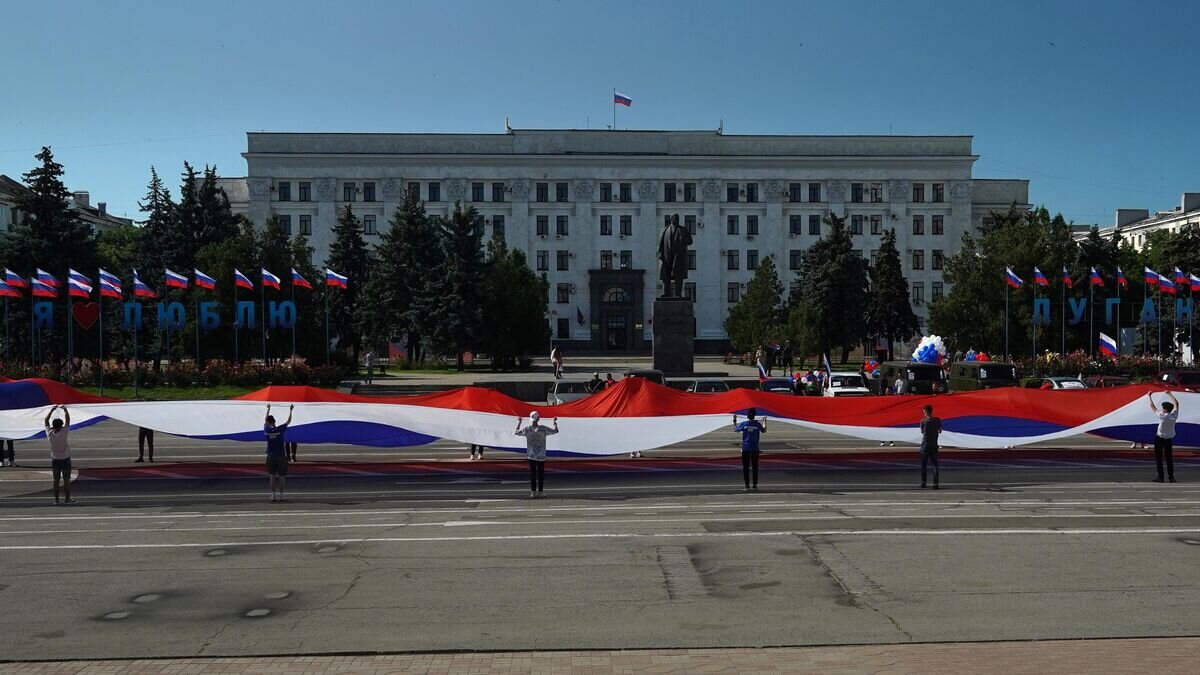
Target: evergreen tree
(517, 301)
(456, 318)
(310, 318)
(889, 312)
(348, 256)
(834, 290)
(158, 225)
(183, 236)
(756, 318)
(420, 258)
(215, 221)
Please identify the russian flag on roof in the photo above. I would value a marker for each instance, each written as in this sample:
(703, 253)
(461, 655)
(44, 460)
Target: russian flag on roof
(1121, 281)
(42, 289)
(1096, 279)
(1108, 346)
(1194, 282)
(1067, 281)
(174, 279)
(140, 289)
(622, 99)
(1039, 278)
(269, 280)
(1166, 285)
(1011, 278)
(47, 278)
(204, 281)
(1180, 277)
(1151, 277)
(334, 279)
(241, 280)
(298, 280)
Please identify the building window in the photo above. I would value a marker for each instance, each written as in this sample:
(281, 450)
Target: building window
(284, 191)
(691, 258)
(498, 226)
(605, 226)
(414, 189)
(435, 192)
(543, 226)
(541, 192)
(856, 224)
(626, 226)
(731, 192)
(795, 257)
(795, 224)
(733, 260)
(939, 224)
(626, 260)
(305, 191)
(560, 226)
(478, 226)
(939, 192)
(876, 193)
(918, 192)
(856, 252)
(689, 290)
(732, 226)
(689, 192)
(562, 295)
(369, 225)
(876, 224)
(752, 259)
(856, 192)
(690, 223)
(918, 224)
(795, 192)
(874, 257)
(476, 192)
(497, 192)
(369, 192)
(606, 260)
(936, 291)
(751, 225)
(626, 192)
(306, 225)
(918, 262)
(752, 192)
(285, 224)
(988, 222)
(562, 261)
(733, 292)
(606, 192)
(814, 225)
(918, 292)
(669, 192)
(560, 192)
(348, 192)
(814, 192)
(543, 261)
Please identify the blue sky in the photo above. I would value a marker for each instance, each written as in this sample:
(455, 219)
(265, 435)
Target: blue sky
(1094, 102)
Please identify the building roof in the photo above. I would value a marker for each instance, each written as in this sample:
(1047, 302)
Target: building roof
(10, 186)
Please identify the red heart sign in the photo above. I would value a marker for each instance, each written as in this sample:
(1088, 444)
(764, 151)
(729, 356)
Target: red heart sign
(85, 313)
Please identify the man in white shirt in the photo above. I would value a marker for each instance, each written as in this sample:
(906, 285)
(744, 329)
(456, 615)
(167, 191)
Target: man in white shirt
(60, 451)
(369, 364)
(1164, 437)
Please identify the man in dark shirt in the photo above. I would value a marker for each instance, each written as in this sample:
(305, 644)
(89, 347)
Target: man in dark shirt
(750, 430)
(931, 427)
(277, 454)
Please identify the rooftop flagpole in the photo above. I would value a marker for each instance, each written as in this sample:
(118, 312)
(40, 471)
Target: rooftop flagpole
(614, 104)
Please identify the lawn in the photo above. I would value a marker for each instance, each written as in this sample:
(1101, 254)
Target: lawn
(172, 393)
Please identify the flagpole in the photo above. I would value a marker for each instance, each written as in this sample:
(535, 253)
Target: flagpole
(70, 334)
(1034, 327)
(326, 294)
(6, 329)
(293, 323)
(235, 322)
(136, 363)
(1119, 314)
(1006, 293)
(1063, 311)
(196, 308)
(263, 316)
(1145, 328)
(1092, 319)
(100, 301)
(1158, 306)
(614, 104)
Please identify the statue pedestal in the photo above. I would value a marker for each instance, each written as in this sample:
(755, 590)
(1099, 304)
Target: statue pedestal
(674, 325)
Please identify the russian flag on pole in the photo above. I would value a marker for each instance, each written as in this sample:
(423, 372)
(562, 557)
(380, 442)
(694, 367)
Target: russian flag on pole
(77, 287)
(1180, 278)
(140, 289)
(13, 279)
(204, 281)
(1096, 279)
(1151, 277)
(1121, 281)
(1067, 281)
(1194, 282)
(298, 280)
(1011, 278)
(42, 289)
(47, 278)
(1039, 278)
(1166, 285)
(111, 278)
(269, 280)
(72, 275)
(174, 279)
(1108, 346)
(109, 290)
(7, 291)
(334, 279)
(622, 99)
(241, 280)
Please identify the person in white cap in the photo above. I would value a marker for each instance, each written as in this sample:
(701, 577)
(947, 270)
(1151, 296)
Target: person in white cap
(535, 450)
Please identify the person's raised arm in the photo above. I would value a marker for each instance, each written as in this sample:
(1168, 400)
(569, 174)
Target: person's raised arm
(518, 430)
(1150, 397)
(268, 413)
(46, 423)
(291, 407)
(735, 421)
(764, 425)
(66, 416)
(1174, 400)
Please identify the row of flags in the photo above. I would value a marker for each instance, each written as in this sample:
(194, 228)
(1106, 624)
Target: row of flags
(45, 285)
(1165, 284)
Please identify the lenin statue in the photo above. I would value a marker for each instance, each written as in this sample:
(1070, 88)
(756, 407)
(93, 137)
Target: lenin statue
(672, 257)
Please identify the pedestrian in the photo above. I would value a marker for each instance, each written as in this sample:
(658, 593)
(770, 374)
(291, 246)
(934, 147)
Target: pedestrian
(931, 427)
(292, 447)
(369, 364)
(595, 384)
(556, 362)
(277, 455)
(535, 450)
(901, 385)
(60, 451)
(9, 458)
(609, 381)
(750, 430)
(145, 439)
(788, 358)
(1164, 438)
(476, 451)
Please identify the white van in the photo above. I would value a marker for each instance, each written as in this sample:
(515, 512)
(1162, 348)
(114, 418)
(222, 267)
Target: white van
(565, 391)
(846, 384)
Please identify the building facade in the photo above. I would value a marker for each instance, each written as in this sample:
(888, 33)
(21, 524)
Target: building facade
(1133, 226)
(587, 207)
(96, 216)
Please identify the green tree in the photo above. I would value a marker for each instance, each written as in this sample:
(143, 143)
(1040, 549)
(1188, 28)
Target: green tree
(833, 287)
(349, 257)
(889, 311)
(457, 315)
(756, 318)
(215, 220)
(515, 307)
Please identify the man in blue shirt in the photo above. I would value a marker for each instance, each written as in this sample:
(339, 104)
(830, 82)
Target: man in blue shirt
(750, 430)
(277, 454)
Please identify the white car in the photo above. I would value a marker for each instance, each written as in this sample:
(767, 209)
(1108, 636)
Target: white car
(565, 391)
(708, 387)
(846, 384)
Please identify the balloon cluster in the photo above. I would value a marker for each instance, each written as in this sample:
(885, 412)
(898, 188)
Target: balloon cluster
(870, 366)
(930, 349)
(981, 356)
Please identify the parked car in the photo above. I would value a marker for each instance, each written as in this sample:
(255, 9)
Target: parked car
(708, 387)
(778, 385)
(922, 378)
(1180, 377)
(974, 375)
(1106, 381)
(565, 391)
(846, 384)
(1054, 383)
(655, 376)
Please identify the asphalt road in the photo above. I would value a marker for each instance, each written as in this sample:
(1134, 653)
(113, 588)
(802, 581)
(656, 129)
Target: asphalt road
(638, 555)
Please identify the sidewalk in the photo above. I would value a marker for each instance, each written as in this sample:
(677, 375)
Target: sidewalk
(1163, 656)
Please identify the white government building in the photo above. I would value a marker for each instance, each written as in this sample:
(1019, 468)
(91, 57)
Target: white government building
(587, 207)
(1133, 226)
